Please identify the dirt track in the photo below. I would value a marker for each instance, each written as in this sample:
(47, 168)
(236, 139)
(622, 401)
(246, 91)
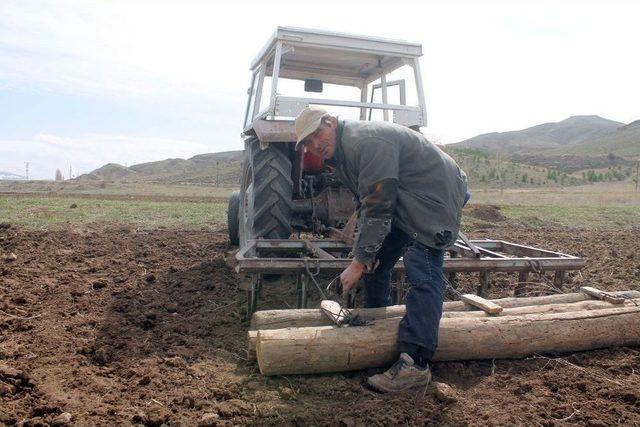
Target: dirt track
(118, 326)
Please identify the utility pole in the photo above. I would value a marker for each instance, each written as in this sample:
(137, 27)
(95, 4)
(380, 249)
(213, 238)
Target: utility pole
(217, 174)
(70, 172)
(26, 170)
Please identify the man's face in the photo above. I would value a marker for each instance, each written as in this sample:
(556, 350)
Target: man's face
(322, 142)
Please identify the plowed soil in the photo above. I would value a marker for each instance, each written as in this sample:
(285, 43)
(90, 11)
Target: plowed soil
(119, 326)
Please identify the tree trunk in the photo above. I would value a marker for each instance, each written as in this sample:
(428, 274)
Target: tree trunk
(277, 319)
(252, 335)
(329, 349)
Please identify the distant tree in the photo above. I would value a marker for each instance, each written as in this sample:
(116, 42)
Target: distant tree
(617, 174)
(59, 176)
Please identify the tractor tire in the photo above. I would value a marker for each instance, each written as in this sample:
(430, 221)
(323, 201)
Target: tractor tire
(266, 191)
(233, 218)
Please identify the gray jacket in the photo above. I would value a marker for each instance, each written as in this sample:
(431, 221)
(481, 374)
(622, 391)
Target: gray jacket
(399, 178)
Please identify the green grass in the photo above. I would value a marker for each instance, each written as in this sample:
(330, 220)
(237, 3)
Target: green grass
(595, 206)
(51, 212)
(576, 216)
(102, 188)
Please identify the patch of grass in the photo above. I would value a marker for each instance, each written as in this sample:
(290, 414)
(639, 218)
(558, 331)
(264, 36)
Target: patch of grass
(52, 212)
(574, 216)
(108, 188)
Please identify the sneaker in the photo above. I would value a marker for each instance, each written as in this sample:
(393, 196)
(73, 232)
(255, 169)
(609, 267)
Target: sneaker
(404, 374)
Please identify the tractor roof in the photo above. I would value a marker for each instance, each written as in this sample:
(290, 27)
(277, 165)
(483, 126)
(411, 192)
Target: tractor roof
(334, 57)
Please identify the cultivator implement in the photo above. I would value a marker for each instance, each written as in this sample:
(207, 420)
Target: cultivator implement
(306, 258)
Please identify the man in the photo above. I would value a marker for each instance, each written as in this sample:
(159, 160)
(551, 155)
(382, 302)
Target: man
(411, 196)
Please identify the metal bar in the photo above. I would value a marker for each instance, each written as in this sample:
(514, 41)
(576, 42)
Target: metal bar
(256, 104)
(558, 278)
(301, 283)
(341, 103)
(388, 68)
(467, 251)
(251, 244)
(274, 77)
(251, 88)
(483, 289)
(283, 265)
(317, 251)
(363, 99)
(522, 250)
(494, 245)
(298, 244)
(418, 79)
(470, 245)
(490, 253)
(383, 87)
(523, 276)
(252, 295)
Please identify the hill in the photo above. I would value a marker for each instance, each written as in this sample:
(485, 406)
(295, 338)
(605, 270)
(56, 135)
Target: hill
(10, 176)
(579, 143)
(577, 150)
(214, 168)
(623, 141)
(109, 172)
(490, 171)
(571, 132)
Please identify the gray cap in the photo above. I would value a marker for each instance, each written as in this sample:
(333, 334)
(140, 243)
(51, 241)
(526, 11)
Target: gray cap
(308, 122)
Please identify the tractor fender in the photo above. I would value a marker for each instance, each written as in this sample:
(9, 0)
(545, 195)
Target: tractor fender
(269, 131)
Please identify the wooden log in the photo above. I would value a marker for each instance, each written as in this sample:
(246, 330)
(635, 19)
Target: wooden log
(547, 299)
(606, 296)
(334, 311)
(252, 342)
(252, 336)
(547, 308)
(483, 304)
(277, 319)
(333, 349)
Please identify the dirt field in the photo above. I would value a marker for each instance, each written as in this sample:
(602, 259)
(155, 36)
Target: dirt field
(117, 325)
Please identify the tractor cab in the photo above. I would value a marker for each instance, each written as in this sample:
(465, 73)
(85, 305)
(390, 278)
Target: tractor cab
(358, 77)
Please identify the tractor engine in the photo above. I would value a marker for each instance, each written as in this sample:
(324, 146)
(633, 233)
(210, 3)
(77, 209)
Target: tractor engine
(323, 202)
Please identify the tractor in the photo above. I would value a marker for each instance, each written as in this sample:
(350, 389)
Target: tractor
(355, 77)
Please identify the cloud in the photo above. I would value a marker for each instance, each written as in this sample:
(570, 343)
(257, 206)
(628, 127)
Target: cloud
(119, 48)
(46, 152)
(492, 66)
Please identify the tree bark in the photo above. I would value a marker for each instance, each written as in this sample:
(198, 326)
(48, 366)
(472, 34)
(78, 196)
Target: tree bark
(330, 349)
(252, 335)
(277, 319)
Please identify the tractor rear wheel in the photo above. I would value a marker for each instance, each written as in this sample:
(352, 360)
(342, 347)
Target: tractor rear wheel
(265, 195)
(233, 215)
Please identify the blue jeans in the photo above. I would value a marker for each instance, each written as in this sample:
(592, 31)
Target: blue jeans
(418, 332)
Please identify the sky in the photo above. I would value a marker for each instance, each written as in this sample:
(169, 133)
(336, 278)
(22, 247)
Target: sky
(85, 83)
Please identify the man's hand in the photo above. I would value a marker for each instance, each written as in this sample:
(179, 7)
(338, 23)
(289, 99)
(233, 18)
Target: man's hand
(350, 276)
